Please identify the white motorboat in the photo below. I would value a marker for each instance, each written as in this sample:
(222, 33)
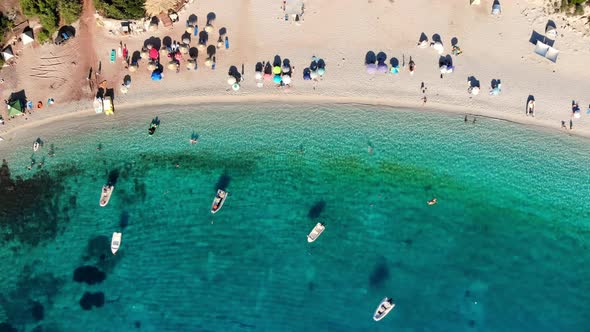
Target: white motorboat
(115, 242)
(36, 146)
(383, 309)
(105, 196)
(218, 200)
(315, 232)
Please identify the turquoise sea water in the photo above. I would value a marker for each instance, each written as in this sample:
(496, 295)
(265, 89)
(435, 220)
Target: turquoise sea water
(505, 249)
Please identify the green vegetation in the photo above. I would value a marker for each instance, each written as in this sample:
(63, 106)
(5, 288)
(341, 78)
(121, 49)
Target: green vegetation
(121, 9)
(52, 13)
(43, 35)
(5, 26)
(571, 7)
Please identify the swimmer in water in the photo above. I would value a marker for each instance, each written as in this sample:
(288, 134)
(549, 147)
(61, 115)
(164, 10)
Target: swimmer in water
(432, 201)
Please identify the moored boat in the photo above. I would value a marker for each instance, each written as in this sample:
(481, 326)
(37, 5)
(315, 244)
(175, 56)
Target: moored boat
(36, 146)
(105, 196)
(218, 200)
(383, 309)
(115, 242)
(315, 232)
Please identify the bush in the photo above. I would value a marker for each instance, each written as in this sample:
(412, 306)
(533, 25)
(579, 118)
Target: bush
(121, 9)
(44, 35)
(52, 12)
(5, 25)
(70, 10)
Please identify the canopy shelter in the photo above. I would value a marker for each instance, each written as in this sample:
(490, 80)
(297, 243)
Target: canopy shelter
(546, 51)
(496, 8)
(15, 108)
(27, 36)
(7, 53)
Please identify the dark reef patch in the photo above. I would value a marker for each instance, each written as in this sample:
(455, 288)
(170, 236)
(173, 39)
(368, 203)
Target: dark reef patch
(29, 209)
(90, 300)
(37, 311)
(316, 210)
(89, 274)
(5, 327)
(380, 273)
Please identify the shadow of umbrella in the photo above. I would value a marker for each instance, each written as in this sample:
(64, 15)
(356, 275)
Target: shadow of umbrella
(211, 49)
(370, 58)
(210, 17)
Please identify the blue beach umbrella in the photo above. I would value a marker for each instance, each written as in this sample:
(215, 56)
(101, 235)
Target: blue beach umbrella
(156, 75)
(277, 79)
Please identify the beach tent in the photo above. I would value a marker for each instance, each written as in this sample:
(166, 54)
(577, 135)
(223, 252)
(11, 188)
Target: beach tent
(15, 108)
(546, 51)
(7, 53)
(474, 2)
(496, 9)
(27, 36)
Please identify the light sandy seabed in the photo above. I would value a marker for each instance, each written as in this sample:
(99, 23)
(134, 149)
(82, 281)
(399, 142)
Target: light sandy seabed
(340, 32)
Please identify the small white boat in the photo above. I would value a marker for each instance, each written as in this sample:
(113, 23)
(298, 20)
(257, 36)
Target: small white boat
(115, 242)
(315, 232)
(36, 146)
(383, 309)
(218, 200)
(105, 196)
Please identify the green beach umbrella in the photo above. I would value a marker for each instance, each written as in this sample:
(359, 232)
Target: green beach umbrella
(276, 70)
(15, 108)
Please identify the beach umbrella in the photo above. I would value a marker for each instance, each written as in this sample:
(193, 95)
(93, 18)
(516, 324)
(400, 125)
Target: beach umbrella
(163, 52)
(382, 68)
(371, 68)
(172, 65)
(209, 28)
(443, 69)
(475, 90)
(260, 84)
(133, 68)
(124, 89)
(268, 77)
(208, 63)
(186, 40)
(276, 70)
(277, 79)
(321, 71)
(577, 115)
(156, 75)
(313, 75)
(143, 54)
(286, 79)
(394, 70)
(178, 56)
(438, 47)
(306, 76)
(183, 49)
(151, 66)
(153, 54)
(201, 46)
(190, 28)
(258, 75)
(190, 64)
(235, 87)
(231, 80)
(286, 69)
(450, 69)
(153, 26)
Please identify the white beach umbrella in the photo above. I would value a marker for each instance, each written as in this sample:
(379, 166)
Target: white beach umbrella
(201, 46)
(286, 69)
(190, 28)
(438, 47)
(260, 84)
(151, 66)
(313, 74)
(443, 69)
(144, 54)
(235, 87)
(172, 65)
(475, 90)
(231, 80)
(183, 49)
(286, 79)
(258, 75)
(133, 68)
(209, 28)
(208, 63)
(124, 89)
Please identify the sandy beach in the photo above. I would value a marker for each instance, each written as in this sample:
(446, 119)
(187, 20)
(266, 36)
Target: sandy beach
(494, 47)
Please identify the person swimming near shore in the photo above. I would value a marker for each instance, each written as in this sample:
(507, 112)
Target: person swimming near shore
(432, 201)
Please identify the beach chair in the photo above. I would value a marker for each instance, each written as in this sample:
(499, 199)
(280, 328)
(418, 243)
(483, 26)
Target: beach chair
(113, 55)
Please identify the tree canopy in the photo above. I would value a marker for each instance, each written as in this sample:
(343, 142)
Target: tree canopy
(121, 9)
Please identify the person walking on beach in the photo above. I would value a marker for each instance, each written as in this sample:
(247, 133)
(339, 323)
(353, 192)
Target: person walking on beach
(423, 100)
(563, 124)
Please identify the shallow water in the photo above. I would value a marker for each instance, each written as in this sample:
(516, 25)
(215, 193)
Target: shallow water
(505, 249)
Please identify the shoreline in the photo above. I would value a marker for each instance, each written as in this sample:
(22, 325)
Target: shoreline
(209, 101)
